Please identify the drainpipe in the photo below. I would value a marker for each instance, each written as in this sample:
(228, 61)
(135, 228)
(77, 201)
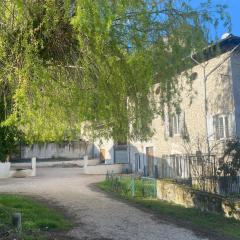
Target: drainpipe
(205, 77)
(206, 111)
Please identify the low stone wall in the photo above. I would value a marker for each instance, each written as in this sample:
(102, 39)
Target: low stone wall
(104, 168)
(188, 197)
(49, 164)
(59, 163)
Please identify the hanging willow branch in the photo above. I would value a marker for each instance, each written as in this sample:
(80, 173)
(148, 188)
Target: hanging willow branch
(68, 63)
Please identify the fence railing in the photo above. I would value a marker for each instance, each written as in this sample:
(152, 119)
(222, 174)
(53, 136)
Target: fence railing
(184, 166)
(229, 186)
(130, 185)
(200, 172)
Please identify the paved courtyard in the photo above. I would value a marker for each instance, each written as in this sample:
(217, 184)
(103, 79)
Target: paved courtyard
(96, 215)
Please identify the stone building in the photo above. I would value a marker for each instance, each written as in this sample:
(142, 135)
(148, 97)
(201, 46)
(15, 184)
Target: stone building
(207, 119)
(212, 116)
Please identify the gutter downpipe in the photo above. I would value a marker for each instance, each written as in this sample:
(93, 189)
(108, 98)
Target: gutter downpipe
(205, 77)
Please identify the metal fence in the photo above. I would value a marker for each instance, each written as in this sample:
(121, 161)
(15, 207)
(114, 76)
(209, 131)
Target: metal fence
(130, 185)
(184, 166)
(229, 186)
(200, 172)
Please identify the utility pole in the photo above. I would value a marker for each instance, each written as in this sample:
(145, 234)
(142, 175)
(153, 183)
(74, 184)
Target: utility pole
(205, 78)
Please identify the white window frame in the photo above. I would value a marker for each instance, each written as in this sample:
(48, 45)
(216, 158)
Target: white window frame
(225, 122)
(176, 125)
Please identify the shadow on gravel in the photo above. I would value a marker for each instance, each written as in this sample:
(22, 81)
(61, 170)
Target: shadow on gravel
(204, 233)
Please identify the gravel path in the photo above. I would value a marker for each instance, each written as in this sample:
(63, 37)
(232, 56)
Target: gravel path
(97, 216)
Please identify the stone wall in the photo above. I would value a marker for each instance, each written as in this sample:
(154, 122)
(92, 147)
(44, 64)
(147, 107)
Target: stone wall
(188, 197)
(103, 169)
(51, 150)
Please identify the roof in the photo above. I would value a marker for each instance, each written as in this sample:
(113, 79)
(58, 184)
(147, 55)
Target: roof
(220, 47)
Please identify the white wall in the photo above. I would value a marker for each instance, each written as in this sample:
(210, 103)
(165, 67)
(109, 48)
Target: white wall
(58, 150)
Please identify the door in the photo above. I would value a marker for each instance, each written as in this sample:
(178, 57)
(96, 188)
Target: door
(120, 154)
(102, 155)
(150, 161)
(137, 158)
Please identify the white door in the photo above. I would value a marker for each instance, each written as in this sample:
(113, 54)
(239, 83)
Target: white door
(137, 162)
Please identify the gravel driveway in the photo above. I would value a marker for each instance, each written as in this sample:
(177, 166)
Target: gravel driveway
(96, 215)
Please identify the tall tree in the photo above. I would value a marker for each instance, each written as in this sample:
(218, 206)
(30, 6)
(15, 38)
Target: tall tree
(74, 62)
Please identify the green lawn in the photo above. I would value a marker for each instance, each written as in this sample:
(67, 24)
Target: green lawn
(37, 218)
(201, 220)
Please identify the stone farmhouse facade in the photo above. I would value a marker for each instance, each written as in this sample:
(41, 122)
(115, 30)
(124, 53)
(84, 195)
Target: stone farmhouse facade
(186, 132)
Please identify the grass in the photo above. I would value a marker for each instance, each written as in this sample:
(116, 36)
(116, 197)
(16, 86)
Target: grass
(124, 186)
(36, 217)
(200, 220)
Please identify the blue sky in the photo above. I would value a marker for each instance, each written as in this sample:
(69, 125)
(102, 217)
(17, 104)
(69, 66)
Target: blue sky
(234, 11)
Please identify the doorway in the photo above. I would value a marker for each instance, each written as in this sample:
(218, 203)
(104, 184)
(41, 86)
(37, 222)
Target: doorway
(150, 161)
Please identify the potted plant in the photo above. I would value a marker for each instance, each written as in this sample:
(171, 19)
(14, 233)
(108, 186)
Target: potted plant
(4, 153)
(9, 134)
(4, 169)
(9, 139)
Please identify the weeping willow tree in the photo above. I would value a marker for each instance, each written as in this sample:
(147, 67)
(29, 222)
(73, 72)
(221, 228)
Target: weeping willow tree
(68, 63)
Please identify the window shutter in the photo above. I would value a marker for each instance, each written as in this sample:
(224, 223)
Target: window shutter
(166, 123)
(170, 122)
(182, 123)
(211, 126)
(215, 128)
(227, 127)
(231, 125)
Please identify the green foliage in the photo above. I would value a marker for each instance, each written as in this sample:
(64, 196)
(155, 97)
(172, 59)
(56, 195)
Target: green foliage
(231, 159)
(10, 136)
(131, 186)
(69, 63)
(37, 219)
(185, 216)
(9, 140)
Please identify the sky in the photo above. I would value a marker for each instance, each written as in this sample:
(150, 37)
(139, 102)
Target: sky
(234, 11)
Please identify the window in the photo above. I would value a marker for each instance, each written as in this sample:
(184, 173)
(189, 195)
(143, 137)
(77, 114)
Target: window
(193, 76)
(175, 124)
(225, 77)
(157, 91)
(221, 127)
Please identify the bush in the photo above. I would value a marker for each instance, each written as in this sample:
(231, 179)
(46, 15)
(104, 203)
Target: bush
(231, 159)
